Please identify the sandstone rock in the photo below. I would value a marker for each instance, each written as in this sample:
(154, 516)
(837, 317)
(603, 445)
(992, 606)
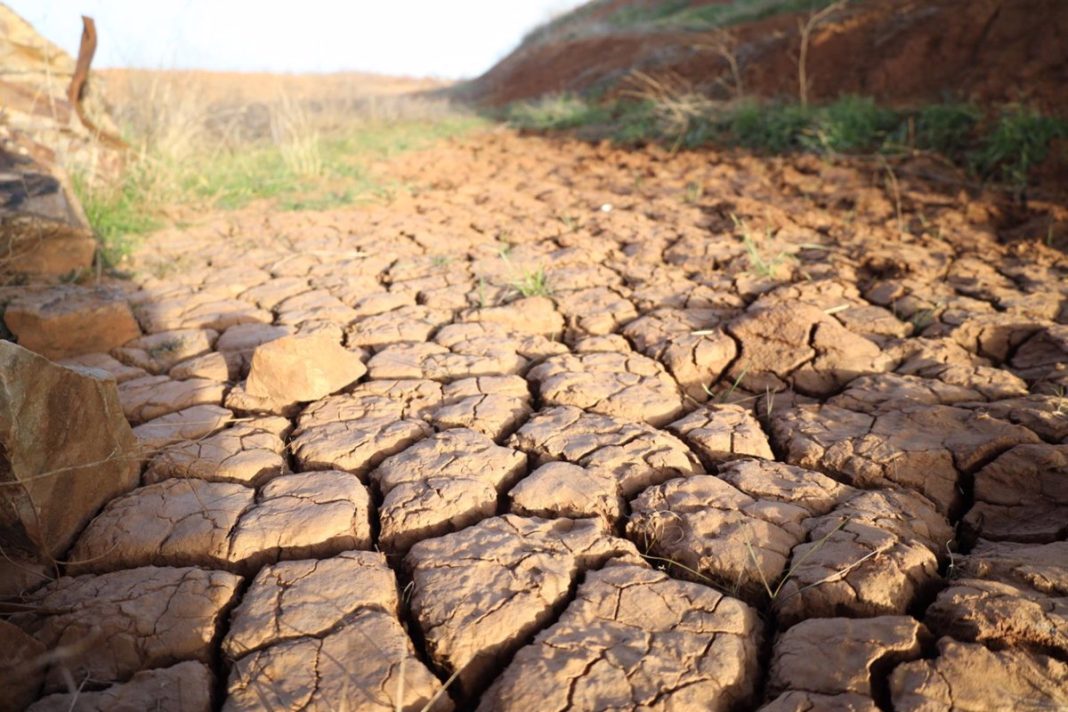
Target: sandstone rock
(356, 431)
(721, 432)
(480, 592)
(185, 687)
(971, 677)
(109, 627)
(631, 387)
(637, 455)
(239, 342)
(441, 484)
(22, 667)
(69, 321)
(627, 626)
(1022, 496)
(65, 450)
(298, 369)
(835, 656)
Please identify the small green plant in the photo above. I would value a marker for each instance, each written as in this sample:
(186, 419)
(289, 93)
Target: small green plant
(946, 128)
(554, 113)
(775, 128)
(851, 124)
(694, 192)
(1019, 141)
(758, 264)
(533, 284)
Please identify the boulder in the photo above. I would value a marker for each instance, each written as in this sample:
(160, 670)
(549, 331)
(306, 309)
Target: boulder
(70, 321)
(65, 450)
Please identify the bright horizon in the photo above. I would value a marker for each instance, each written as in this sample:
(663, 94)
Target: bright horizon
(417, 38)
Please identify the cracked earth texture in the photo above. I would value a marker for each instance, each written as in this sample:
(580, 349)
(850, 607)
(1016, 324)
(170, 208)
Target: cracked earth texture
(669, 480)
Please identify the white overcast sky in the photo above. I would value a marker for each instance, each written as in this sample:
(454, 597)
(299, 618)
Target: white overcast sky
(440, 38)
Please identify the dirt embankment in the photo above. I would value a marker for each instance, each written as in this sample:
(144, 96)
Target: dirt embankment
(898, 51)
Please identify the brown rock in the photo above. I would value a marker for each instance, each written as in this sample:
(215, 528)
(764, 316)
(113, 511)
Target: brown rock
(971, 677)
(69, 321)
(297, 369)
(22, 667)
(629, 627)
(65, 450)
(479, 593)
(109, 627)
(185, 687)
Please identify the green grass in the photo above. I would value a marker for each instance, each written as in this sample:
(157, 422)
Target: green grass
(678, 14)
(554, 113)
(315, 174)
(533, 284)
(1002, 148)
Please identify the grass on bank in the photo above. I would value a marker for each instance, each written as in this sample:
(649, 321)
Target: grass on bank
(1002, 147)
(183, 161)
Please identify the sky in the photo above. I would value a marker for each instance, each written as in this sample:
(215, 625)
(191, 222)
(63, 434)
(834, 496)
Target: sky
(440, 38)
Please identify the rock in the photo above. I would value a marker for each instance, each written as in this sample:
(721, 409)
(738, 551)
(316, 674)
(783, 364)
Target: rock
(627, 626)
(111, 626)
(441, 484)
(22, 667)
(239, 342)
(970, 677)
(1022, 496)
(479, 593)
(70, 321)
(43, 231)
(185, 687)
(627, 386)
(835, 656)
(230, 526)
(65, 450)
(299, 369)
(636, 454)
(721, 432)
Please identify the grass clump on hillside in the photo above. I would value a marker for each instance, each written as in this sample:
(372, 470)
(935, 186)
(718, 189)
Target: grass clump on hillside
(554, 113)
(1001, 148)
(184, 158)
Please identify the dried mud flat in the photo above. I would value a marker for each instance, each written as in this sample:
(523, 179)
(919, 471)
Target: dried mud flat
(820, 467)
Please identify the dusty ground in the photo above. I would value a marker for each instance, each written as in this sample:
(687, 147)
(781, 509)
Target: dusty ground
(760, 433)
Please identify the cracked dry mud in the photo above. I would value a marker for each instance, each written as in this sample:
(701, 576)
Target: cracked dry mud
(672, 482)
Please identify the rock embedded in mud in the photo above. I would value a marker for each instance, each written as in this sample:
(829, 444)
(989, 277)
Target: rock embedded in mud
(298, 369)
(480, 592)
(67, 321)
(110, 626)
(185, 687)
(968, 676)
(634, 638)
(836, 656)
(58, 464)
